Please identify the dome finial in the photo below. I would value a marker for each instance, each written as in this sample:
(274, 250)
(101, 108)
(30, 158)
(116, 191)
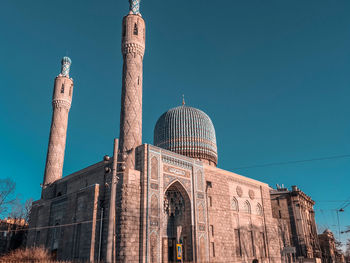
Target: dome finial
(134, 7)
(65, 66)
(183, 99)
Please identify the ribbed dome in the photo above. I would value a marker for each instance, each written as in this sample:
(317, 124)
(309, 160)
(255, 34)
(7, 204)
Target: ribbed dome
(187, 131)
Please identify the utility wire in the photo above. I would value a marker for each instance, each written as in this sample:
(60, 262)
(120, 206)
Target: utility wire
(105, 218)
(345, 204)
(292, 162)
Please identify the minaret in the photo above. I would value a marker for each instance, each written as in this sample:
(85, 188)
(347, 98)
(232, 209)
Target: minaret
(133, 48)
(61, 102)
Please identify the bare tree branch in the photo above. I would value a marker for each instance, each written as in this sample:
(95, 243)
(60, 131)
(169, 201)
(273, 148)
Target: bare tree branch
(21, 211)
(7, 189)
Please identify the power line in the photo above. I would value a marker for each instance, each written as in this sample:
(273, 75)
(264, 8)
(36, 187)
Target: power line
(345, 204)
(293, 162)
(130, 214)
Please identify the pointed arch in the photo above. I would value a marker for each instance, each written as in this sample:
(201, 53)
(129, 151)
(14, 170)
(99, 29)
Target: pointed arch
(177, 217)
(178, 184)
(259, 209)
(234, 204)
(247, 207)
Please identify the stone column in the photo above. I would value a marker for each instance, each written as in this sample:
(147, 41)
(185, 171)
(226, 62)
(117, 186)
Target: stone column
(133, 47)
(61, 102)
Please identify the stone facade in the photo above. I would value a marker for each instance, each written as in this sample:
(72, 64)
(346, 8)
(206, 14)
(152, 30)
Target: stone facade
(217, 215)
(330, 254)
(71, 217)
(240, 218)
(294, 209)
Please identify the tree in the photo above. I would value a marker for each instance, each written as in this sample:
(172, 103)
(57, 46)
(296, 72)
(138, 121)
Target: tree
(338, 245)
(21, 211)
(347, 249)
(19, 217)
(7, 190)
(28, 208)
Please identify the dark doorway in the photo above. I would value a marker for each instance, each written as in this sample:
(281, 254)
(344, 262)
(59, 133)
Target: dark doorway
(177, 208)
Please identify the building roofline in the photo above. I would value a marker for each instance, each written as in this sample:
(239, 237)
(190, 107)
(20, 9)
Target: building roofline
(84, 170)
(242, 177)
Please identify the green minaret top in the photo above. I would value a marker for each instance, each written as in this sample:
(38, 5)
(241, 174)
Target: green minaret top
(135, 6)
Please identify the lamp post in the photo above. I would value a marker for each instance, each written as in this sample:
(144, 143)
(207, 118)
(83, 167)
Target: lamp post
(110, 257)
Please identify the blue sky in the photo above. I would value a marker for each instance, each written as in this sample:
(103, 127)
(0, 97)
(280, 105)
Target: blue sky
(272, 75)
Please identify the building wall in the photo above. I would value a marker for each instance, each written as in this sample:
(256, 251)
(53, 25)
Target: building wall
(330, 253)
(130, 210)
(295, 208)
(13, 234)
(67, 220)
(240, 214)
(224, 207)
(223, 217)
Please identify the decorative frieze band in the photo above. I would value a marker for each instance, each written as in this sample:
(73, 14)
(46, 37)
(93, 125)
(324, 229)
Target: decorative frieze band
(61, 104)
(133, 48)
(177, 162)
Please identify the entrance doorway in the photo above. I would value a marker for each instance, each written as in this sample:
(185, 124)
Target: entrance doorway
(177, 210)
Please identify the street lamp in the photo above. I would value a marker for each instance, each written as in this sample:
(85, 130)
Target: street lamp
(110, 257)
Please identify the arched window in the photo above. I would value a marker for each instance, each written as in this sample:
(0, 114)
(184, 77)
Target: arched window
(247, 207)
(62, 88)
(234, 204)
(56, 236)
(136, 31)
(259, 210)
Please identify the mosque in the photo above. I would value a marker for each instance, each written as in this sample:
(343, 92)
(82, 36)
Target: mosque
(169, 200)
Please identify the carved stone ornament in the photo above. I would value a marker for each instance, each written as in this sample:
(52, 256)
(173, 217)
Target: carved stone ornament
(173, 203)
(239, 191)
(251, 194)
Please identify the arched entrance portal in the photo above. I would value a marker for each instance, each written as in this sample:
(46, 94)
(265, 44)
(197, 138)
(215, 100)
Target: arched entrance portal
(177, 223)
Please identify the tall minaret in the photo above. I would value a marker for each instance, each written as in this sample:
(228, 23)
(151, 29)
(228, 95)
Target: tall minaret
(133, 48)
(61, 102)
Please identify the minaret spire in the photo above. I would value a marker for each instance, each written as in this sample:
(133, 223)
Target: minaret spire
(65, 66)
(133, 49)
(61, 103)
(128, 222)
(134, 7)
